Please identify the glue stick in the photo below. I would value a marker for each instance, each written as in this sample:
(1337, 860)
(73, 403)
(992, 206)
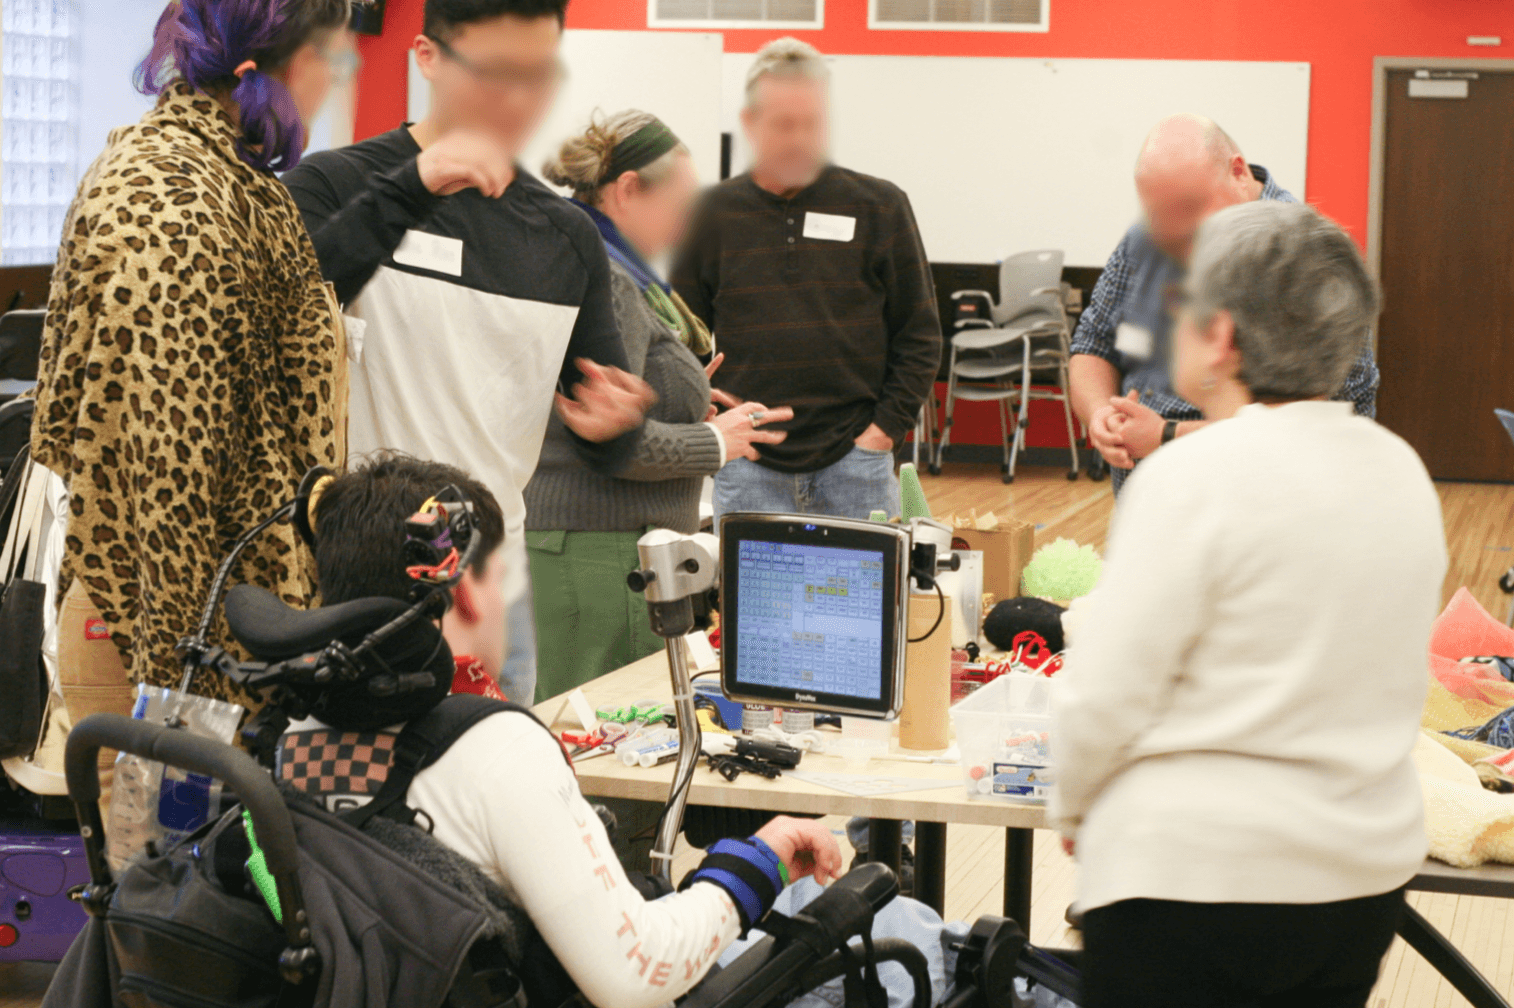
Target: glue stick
(649, 756)
(648, 747)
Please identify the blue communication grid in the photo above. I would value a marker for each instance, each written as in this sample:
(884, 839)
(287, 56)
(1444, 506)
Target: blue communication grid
(810, 618)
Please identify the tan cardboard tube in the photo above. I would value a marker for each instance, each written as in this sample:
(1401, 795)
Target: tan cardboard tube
(924, 721)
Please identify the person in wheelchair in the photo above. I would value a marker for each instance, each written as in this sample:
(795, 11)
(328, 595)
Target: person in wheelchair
(412, 828)
(504, 794)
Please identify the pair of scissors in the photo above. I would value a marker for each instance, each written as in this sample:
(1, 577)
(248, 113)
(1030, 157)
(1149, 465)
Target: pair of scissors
(588, 753)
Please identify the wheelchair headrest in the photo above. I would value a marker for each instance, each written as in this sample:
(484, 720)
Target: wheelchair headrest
(273, 631)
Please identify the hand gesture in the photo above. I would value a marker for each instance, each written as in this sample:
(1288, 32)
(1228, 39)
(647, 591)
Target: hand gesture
(719, 396)
(1106, 434)
(805, 847)
(606, 404)
(466, 159)
(1140, 427)
(739, 428)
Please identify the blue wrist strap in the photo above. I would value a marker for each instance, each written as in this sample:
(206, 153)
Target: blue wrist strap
(747, 875)
(782, 881)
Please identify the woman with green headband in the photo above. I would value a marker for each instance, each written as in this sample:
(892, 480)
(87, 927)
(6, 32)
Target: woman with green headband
(635, 179)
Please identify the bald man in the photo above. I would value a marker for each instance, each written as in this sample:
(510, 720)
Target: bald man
(1188, 169)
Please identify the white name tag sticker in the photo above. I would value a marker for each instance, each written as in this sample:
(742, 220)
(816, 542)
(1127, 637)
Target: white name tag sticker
(431, 252)
(1133, 340)
(356, 328)
(829, 227)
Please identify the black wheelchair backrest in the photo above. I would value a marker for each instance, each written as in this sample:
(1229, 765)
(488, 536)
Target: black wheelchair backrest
(273, 631)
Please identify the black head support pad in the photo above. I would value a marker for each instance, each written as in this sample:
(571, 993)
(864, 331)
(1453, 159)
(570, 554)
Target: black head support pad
(403, 676)
(370, 662)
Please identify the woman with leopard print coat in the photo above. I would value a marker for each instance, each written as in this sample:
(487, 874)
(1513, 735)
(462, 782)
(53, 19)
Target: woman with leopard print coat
(193, 363)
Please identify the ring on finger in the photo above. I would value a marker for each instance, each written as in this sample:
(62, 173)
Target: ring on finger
(756, 415)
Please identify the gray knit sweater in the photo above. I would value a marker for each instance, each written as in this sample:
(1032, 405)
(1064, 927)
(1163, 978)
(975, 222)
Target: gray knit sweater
(661, 484)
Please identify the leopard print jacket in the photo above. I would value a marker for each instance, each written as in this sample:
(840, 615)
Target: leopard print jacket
(193, 368)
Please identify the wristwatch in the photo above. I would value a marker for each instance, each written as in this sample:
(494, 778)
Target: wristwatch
(1169, 431)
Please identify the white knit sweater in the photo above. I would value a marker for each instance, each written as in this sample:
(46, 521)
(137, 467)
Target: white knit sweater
(1238, 711)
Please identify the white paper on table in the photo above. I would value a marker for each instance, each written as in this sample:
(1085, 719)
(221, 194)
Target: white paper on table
(579, 704)
(702, 656)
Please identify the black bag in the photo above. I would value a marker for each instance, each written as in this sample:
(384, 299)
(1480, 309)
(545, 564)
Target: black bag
(188, 927)
(23, 676)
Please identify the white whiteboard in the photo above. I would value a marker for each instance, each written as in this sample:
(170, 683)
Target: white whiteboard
(673, 75)
(1001, 155)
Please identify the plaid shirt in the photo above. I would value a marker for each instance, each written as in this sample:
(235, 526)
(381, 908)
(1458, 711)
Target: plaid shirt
(1107, 306)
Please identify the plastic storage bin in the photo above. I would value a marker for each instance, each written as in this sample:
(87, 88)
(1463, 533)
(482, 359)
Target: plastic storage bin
(1004, 734)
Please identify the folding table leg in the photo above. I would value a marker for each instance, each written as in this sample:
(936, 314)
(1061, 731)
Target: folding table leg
(1448, 961)
(930, 864)
(1019, 857)
(885, 842)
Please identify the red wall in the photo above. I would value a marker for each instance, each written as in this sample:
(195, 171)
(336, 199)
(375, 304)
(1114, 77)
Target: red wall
(1339, 38)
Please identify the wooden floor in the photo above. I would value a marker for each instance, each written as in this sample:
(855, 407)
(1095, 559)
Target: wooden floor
(1479, 522)
(1480, 533)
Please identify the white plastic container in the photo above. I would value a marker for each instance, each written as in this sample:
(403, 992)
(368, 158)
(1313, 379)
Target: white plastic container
(862, 739)
(1004, 734)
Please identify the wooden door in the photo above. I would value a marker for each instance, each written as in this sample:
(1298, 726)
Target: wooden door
(1446, 337)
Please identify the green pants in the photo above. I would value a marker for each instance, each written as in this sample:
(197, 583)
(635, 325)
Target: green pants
(587, 621)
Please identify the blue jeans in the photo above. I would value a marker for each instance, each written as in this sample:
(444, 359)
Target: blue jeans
(517, 680)
(861, 483)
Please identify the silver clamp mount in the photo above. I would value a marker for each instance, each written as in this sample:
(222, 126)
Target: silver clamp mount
(679, 576)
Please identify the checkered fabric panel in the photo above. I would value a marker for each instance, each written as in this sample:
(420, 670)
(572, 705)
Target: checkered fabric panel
(322, 761)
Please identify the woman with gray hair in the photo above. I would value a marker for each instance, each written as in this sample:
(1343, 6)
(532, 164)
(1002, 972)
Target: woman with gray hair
(1235, 723)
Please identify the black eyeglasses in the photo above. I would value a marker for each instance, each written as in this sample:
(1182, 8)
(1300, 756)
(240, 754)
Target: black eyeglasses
(535, 80)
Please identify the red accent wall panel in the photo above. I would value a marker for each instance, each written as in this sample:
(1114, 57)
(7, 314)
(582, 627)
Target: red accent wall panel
(1339, 38)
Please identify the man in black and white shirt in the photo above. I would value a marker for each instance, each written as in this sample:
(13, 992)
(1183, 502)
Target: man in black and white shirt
(479, 290)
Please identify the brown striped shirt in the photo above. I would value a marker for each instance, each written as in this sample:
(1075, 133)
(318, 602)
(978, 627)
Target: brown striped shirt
(845, 332)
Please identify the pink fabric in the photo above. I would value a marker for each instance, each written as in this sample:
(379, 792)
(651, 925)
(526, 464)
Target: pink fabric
(1472, 682)
(1466, 630)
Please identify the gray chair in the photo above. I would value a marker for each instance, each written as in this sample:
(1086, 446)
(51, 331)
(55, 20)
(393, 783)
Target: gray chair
(1025, 337)
(1506, 417)
(925, 429)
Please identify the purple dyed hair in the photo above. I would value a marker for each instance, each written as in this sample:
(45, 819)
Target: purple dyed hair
(204, 41)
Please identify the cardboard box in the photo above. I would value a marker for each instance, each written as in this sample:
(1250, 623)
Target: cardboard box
(1006, 550)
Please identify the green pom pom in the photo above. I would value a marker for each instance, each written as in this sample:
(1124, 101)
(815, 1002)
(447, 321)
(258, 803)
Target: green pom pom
(911, 497)
(1061, 570)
